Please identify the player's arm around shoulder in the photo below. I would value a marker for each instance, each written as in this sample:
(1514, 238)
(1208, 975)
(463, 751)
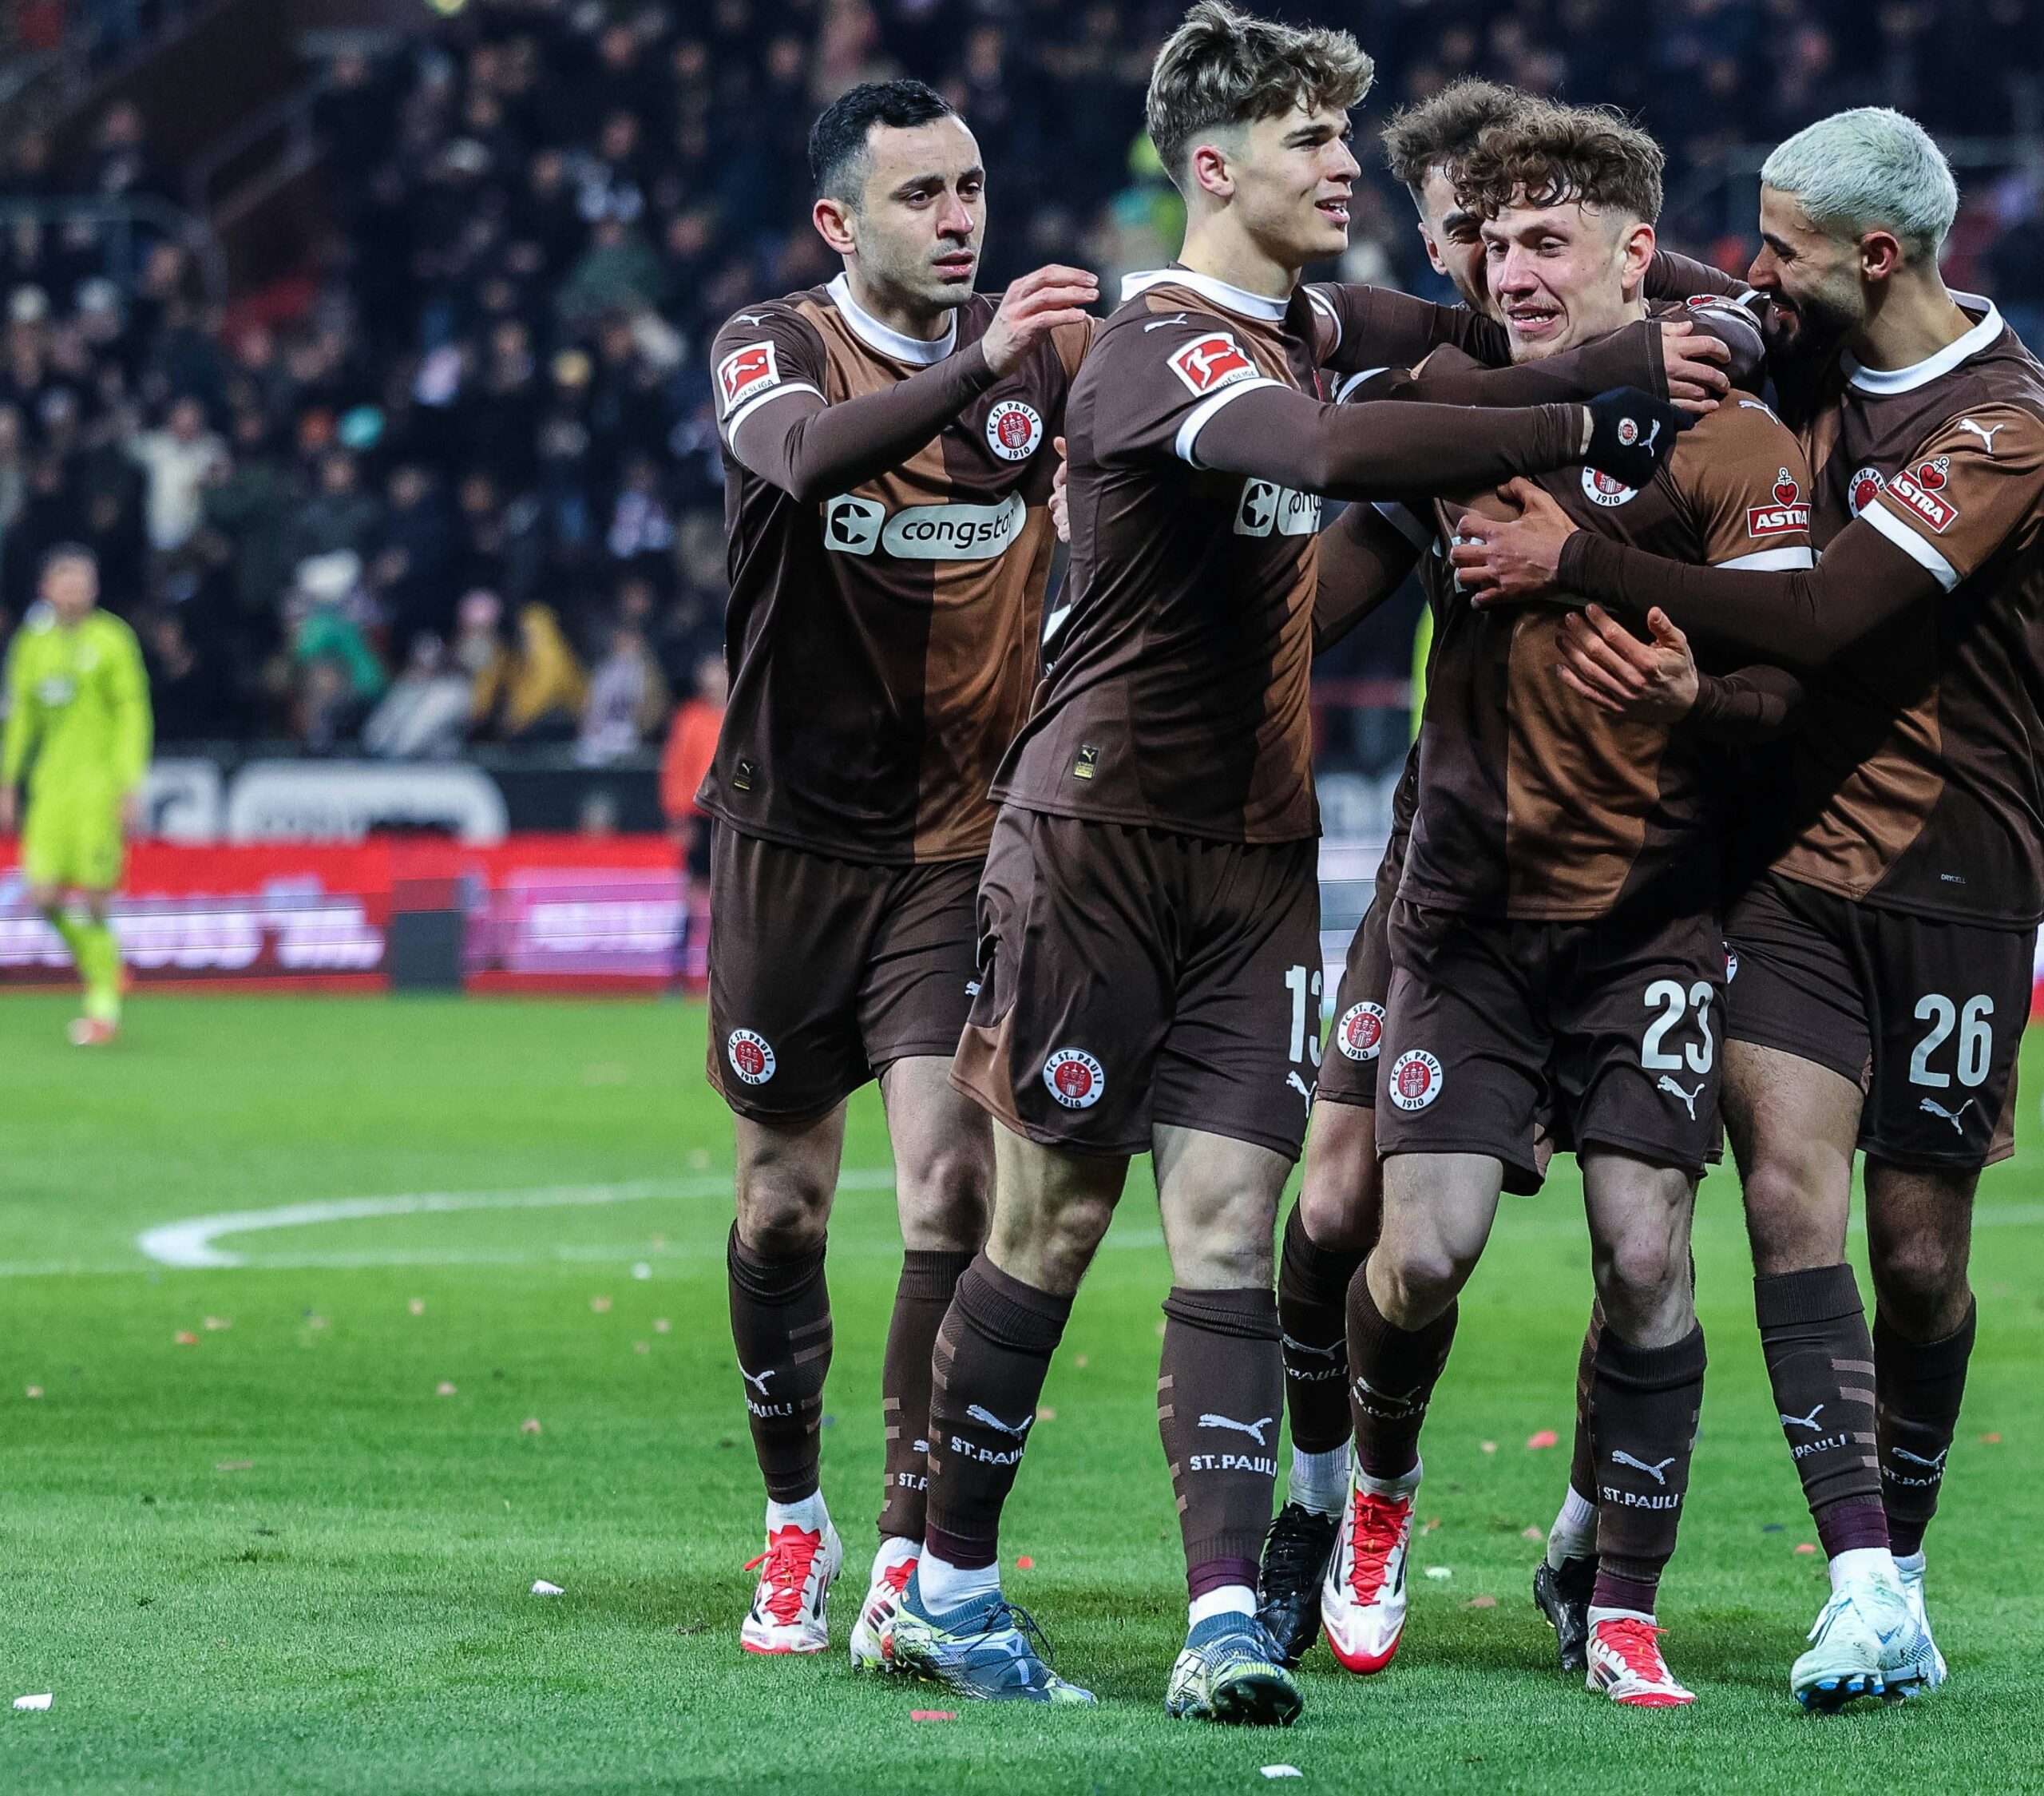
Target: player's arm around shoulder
(1746, 478)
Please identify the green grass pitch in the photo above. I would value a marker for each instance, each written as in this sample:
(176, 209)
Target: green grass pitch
(274, 1526)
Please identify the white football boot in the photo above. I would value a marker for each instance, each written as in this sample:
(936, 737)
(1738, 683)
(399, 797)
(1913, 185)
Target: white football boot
(1867, 1642)
(892, 1569)
(1624, 1651)
(1911, 1570)
(1362, 1599)
(796, 1572)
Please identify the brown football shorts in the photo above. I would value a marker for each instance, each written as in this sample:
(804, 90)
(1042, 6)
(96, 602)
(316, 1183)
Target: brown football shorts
(1925, 1016)
(1349, 1067)
(823, 973)
(1613, 1023)
(1131, 976)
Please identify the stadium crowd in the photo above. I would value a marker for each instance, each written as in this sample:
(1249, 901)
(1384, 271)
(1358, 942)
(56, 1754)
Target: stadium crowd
(472, 490)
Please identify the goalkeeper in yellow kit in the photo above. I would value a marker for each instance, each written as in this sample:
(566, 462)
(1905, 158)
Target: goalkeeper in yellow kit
(78, 728)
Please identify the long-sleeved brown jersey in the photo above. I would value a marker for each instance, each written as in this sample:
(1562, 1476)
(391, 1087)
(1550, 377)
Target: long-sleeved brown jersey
(1915, 759)
(1535, 804)
(886, 504)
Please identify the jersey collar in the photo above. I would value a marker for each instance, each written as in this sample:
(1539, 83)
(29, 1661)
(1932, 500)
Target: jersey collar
(1236, 300)
(879, 339)
(1885, 380)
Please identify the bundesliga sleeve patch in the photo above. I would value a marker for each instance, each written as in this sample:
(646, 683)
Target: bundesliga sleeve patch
(746, 371)
(1208, 363)
(1787, 514)
(1919, 492)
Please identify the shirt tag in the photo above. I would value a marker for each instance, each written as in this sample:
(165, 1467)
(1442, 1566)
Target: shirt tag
(742, 776)
(1088, 758)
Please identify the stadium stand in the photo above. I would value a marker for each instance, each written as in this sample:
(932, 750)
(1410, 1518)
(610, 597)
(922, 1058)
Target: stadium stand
(452, 477)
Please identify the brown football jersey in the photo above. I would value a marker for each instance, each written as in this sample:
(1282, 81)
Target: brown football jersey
(883, 638)
(1535, 804)
(1917, 783)
(1178, 697)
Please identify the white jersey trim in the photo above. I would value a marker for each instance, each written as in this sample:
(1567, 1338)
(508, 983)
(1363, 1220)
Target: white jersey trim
(877, 336)
(1197, 419)
(1325, 307)
(1236, 300)
(1910, 544)
(1932, 368)
(1341, 393)
(751, 405)
(1771, 561)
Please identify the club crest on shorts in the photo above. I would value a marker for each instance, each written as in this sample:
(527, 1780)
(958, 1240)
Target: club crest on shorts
(1601, 489)
(1361, 1032)
(751, 1057)
(1014, 429)
(1075, 1078)
(1415, 1080)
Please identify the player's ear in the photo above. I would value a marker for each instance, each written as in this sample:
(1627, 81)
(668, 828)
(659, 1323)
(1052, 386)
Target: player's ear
(1880, 255)
(1636, 254)
(837, 224)
(1208, 166)
(1433, 248)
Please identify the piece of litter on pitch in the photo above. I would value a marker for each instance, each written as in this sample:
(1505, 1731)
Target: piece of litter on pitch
(1531, 1533)
(215, 1324)
(600, 1305)
(1081, 1362)
(1282, 1771)
(1440, 1574)
(641, 1269)
(1429, 1526)
(34, 1390)
(1045, 1412)
(530, 1426)
(932, 1714)
(417, 1306)
(41, 1702)
(1481, 1602)
(1991, 1440)
(642, 1346)
(445, 1388)
(1774, 1528)
(1806, 1546)
(185, 1337)
(1545, 1438)
(1025, 1564)
(234, 1465)
(661, 1325)
(541, 1587)
(1490, 1446)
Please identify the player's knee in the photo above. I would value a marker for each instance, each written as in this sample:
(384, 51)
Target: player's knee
(1788, 1224)
(1341, 1201)
(945, 1200)
(1920, 1282)
(1421, 1277)
(781, 1210)
(1638, 1276)
(1059, 1240)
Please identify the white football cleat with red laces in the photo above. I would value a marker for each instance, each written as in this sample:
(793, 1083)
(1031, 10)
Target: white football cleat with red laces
(883, 1598)
(1626, 1662)
(1362, 1599)
(796, 1572)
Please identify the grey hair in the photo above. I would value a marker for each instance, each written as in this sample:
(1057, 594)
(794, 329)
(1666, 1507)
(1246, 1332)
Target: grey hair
(1868, 169)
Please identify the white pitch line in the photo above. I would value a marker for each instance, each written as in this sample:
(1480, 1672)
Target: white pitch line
(189, 1243)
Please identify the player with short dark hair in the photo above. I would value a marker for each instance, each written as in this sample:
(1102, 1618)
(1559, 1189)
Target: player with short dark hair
(78, 732)
(1555, 942)
(1884, 957)
(889, 543)
(1149, 972)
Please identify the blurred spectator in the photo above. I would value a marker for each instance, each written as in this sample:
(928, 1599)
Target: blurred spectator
(425, 715)
(691, 745)
(627, 701)
(192, 699)
(337, 515)
(178, 458)
(334, 675)
(535, 693)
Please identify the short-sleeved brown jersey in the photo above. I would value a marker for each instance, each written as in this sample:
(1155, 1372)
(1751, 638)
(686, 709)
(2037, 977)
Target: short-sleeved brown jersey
(1535, 804)
(1916, 757)
(882, 641)
(1177, 694)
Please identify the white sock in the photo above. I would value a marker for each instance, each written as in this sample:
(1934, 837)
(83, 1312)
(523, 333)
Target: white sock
(1598, 1614)
(1910, 1564)
(1230, 1598)
(1394, 1489)
(1875, 1564)
(893, 1549)
(809, 1515)
(947, 1587)
(1319, 1481)
(1574, 1534)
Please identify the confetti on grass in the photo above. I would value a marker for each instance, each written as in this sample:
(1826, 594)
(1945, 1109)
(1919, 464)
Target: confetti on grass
(1025, 1564)
(541, 1587)
(1806, 1546)
(445, 1388)
(1481, 1602)
(1490, 1446)
(34, 1390)
(932, 1714)
(41, 1702)
(1440, 1574)
(417, 1306)
(234, 1465)
(1991, 1440)
(1546, 1438)
(186, 1339)
(661, 1325)
(600, 1305)
(1531, 1533)
(530, 1426)
(1282, 1771)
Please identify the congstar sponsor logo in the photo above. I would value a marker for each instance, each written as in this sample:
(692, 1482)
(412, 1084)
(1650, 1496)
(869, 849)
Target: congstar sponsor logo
(924, 533)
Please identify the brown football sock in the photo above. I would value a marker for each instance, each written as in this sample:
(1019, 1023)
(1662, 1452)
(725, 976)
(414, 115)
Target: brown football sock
(1582, 1459)
(1820, 1362)
(1392, 1374)
(924, 1294)
(1644, 1404)
(781, 1327)
(1312, 1319)
(1220, 1397)
(993, 1352)
(1918, 1386)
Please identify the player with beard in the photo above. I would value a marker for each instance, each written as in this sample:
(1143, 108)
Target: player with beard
(1555, 940)
(889, 543)
(1884, 957)
(1149, 915)
(1333, 1225)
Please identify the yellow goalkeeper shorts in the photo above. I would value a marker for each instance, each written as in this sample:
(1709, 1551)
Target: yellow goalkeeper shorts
(74, 844)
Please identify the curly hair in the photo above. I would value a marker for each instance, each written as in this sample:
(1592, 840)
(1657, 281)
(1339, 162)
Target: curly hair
(1439, 133)
(1550, 154)
(1223, 67)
